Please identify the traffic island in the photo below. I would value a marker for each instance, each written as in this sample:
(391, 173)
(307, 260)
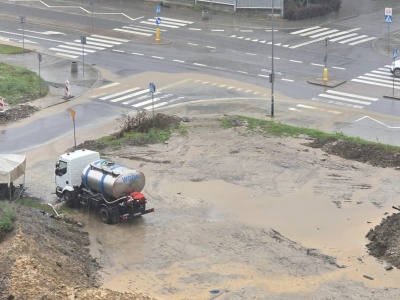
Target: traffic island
(392, 96)
(333, 82)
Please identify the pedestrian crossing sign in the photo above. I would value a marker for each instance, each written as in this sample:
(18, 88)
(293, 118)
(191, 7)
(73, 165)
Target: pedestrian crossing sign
(158, 9)
(388, 19)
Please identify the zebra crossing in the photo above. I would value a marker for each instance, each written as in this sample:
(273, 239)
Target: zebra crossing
(138, 98)
(344, 99)
(138, 30)
(167, 22)
(93, 44)
(317, 33)
(379, 77)
(256, 40)
(150, 30)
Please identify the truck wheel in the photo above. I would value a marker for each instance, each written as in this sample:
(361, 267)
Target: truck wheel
(68, 199)
(105, 215)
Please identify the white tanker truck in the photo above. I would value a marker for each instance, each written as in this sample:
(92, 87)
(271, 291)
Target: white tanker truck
(84, 179)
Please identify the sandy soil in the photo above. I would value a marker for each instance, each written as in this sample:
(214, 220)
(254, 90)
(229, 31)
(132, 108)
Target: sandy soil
(239, 215)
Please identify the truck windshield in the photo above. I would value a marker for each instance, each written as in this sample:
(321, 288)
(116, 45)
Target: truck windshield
(61, 168)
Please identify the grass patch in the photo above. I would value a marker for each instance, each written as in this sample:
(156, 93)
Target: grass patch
(282, 130)
(34, 204)
(7, 216)
(19, 85)
(183, 130)
(6, 49)
(153, 136)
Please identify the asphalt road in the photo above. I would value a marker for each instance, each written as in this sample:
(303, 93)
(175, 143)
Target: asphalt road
(232, 49)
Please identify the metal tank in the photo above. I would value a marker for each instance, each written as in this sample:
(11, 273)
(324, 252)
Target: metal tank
(112, 180)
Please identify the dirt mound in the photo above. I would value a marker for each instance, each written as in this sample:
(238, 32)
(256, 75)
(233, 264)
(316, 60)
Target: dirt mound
(45, 258)
(17, 113)
(374, 155)
(385, 239)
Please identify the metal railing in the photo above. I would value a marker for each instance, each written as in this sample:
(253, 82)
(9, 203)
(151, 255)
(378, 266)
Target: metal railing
(248, 4)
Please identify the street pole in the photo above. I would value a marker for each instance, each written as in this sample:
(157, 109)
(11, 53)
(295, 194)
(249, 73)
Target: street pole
(92, 18)
(272, 64)
(83, 42)
(388, 40)
(83, 59)
(22, 21)
(152, 101)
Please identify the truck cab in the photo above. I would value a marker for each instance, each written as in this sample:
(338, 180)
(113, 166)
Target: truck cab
(68, 172)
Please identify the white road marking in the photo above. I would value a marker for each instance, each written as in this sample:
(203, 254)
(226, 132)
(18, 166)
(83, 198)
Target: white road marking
(324, 33)
(374, 83)
(316, 108)
(304, 30)
(194, 29)
(157, 57)
(211, 47)
(305, 43)
(352, 95)
(67, 51)
(140, 54)
(318, 65)
(94, 43)
(133, 32)
(119, 94)
(353, 39)
(200, 65)
(217, 30)
(109, 38)
(339, 68)
(314, 31)
(66, 55)
(363, 41)
(115, 50)
(108, 85)
(180, 61)
(74, 48)
(130, 96)
(343, 37)
(375, 120)
(284, 79)
(193, 44)
(296, 61)
(344, 99)
(161, 25)
(79, 45)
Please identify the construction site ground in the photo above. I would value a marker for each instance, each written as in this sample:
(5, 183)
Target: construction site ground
(238, 215)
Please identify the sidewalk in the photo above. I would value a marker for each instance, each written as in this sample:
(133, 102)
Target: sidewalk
(55, 71)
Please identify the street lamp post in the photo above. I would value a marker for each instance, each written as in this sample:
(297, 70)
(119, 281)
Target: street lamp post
(23, 21)
(272, 76)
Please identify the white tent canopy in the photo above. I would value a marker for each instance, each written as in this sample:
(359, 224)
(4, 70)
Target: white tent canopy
(12, 166)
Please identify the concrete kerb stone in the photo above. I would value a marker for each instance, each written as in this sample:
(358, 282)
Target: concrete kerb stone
(393, 97)
(56, 69)
(334, 82)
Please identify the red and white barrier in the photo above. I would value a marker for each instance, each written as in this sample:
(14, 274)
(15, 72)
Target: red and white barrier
(67, 89)
(2, 105)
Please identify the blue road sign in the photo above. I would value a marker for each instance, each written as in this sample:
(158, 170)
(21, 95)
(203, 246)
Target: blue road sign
(158, 9)
(152, 87)
(388, 19)
(395, 53)
(158, 20)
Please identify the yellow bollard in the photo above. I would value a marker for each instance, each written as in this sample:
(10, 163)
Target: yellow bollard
(325, 74)
(157, 34)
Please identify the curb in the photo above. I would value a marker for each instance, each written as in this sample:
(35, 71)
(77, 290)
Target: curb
(327, 83)
(392, 97)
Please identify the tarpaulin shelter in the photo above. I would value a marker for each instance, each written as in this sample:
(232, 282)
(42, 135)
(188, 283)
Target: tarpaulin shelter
(12, 167)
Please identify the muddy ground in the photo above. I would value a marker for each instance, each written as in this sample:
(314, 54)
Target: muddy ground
(238, 215)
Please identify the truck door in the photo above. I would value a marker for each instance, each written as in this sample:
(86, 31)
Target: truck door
(61, 174)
